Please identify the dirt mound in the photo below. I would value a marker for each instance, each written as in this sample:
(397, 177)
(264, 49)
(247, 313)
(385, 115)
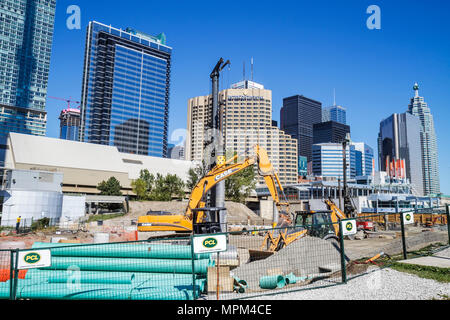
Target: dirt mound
(236, 212)
(304, 257)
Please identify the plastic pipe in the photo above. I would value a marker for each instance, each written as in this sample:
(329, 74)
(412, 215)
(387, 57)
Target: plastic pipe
(122, 250)
(130, 264)
(272, 282)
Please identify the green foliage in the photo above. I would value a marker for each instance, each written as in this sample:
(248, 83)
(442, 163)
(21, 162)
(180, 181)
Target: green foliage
(427, 272)
(140, 189)
(195, 174)
(239, 186)
(111, 187)
(40, 224)
(104, 217)
(159, 188)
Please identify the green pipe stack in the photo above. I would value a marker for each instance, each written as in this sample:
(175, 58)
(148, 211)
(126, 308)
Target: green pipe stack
(128, 271)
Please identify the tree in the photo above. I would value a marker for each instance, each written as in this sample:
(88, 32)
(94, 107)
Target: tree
(195, 174)
(240, 185)
(140, 189)
(111, 187)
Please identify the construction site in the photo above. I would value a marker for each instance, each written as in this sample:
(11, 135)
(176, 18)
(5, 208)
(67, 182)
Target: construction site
(206, 248)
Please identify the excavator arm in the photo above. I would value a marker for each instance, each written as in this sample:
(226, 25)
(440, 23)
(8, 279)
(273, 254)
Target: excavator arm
(229, 168)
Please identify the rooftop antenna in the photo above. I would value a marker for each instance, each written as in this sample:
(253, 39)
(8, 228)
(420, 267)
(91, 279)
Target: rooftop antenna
(252, 68)
(334, 97)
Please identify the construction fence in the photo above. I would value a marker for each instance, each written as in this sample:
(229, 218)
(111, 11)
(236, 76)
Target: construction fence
(226, 266)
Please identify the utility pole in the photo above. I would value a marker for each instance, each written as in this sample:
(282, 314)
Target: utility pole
(218, 192)
(348, 206)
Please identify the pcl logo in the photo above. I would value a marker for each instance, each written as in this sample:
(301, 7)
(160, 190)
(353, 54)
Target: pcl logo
(32, 258)
(408, 217)
(349, 226)
(209, 243)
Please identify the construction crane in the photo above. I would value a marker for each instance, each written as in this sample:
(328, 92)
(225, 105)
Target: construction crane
(195, 216)
(69, 101)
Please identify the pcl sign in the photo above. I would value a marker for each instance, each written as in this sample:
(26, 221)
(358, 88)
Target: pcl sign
(408, 218)
(348, 227)
(210, 243)
(34, 259)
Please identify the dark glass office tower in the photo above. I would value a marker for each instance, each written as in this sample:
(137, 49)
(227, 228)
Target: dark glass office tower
(331, 131)
(125, 95)
(26, 36)
(298, 116)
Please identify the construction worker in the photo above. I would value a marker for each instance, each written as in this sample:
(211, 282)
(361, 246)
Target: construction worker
(18, 223)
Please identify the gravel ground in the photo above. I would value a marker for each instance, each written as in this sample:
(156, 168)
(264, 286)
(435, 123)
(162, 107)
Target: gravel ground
(379, 284)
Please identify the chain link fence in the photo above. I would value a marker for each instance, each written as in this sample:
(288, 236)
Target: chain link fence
(256, 263)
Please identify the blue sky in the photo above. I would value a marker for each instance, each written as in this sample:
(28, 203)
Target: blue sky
(299, 47)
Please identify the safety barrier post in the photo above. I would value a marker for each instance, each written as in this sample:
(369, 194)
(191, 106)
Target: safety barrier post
(402, 224)
(447, 211)
(11, 275)
(341, 240)
(193, 268)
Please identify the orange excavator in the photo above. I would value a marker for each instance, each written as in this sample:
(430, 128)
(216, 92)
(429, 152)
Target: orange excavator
(194, 215)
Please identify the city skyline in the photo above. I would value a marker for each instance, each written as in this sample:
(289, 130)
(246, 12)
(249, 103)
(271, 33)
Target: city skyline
(371, 88)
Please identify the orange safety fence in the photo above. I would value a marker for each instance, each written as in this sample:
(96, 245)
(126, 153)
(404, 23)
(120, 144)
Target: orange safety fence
(5, 274)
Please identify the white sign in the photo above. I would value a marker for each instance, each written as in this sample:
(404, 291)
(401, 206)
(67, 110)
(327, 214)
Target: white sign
(408, 218)
(210, 243)
(34, 259)
(348, 227)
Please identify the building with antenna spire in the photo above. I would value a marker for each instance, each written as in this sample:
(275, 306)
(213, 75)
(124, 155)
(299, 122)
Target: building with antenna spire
(247, 120)
(419, 108)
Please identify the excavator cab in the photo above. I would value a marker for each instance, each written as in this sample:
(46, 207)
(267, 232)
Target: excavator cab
(210, 221)
(318, 223)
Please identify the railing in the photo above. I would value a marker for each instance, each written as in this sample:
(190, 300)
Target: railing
(253, 263)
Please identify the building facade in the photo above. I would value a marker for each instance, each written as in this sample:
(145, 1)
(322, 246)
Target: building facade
(328, 162)
(419, 108)
(399, 139)
(247, 121)
(69, 124)
(125, 90)
(364, 159)
(298, 116)
(26, 29)
(335, 113)
(330, 132)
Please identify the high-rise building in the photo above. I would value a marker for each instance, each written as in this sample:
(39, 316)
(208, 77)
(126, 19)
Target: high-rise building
(26, 36)
(419, 108)
(328, 160)
(399, 139)
(176, 152)
(125, 90)
(297, 117)
(364, 159)
(247, 121)
(329, 132)
(69, 124)
(335, 113)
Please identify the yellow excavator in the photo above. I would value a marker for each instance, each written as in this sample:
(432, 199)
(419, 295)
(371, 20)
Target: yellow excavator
(194, 215)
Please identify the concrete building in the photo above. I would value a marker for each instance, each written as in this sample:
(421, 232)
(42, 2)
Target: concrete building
(247, 120)
(176, 152)
(328, 161)
(335, 113)
(125, 90)
(399, 139)
(69, 127)
(330, 132)
(430, 163)
(26, 29)
(298, 116)
(85, 165)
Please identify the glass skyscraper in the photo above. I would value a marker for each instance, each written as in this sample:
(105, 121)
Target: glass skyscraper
(327, 160)
(298, 116)
(125, 95)
(26, 35)
(364, 159)
(335, 113)
(419, 108)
